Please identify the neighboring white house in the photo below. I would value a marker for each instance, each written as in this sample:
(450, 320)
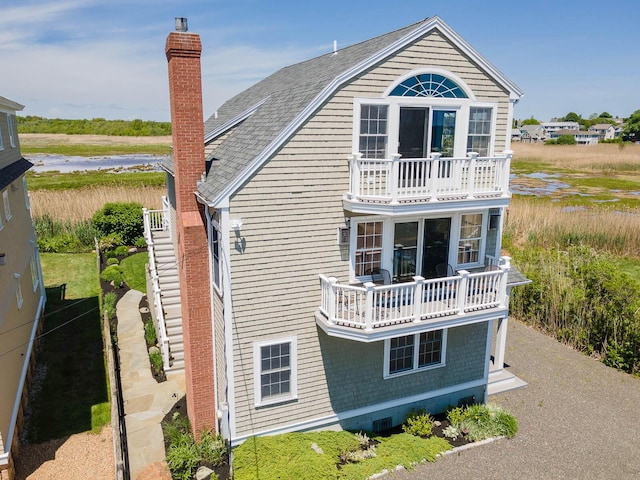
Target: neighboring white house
(583, 137)
(605, 131)
(339, 247)
(532, 134)
(551, 127)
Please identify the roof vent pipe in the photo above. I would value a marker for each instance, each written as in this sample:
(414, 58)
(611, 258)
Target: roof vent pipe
(181, 24)
(335, 46)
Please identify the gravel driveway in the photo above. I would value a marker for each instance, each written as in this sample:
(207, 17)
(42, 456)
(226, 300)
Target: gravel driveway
(577, 419)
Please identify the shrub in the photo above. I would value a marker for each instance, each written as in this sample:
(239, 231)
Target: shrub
(123, 218)
(418, 423)
(122, 251)
(140, 242)
(484, 421)
(150, 333)
(109, 305)
(456, 415)
(109, 242)
(183, 458)
(212, 448)
(113, 274)
(156, 361)
(112, 261)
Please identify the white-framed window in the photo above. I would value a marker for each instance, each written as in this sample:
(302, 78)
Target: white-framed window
(1, 142)
(27, 200)
(275, 371)
(373, 131)
(19, 294)
(416, 352)
(215, 257)
(368, 252)
(10, 125)
(470, 240)
(479, 138)
(35, 278)
(7, 206)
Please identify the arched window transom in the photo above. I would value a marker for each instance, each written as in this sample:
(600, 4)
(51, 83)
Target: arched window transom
(428, 85)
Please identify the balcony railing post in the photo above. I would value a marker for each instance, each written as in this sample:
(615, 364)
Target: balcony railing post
(505, 172)
(463, 291)
(505, 266)
(331, 299)
(434, 168)
(418, 298)
(393, 179)
(369, 307)
(355, 176)
(473, 157)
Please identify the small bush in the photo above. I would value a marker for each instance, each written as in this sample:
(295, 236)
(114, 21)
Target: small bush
(212, 448)
(122, 251)
(456, 415)
(418, 423)
(183, 458)
(140, 242)
(156, 361)
(484, 421)
(150, 333)
(109, 305)
(113, 274)
(112, 261)
(109, 242)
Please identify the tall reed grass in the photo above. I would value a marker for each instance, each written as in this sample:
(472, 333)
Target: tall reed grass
(80, 204)
(531, 222)
(600, 157)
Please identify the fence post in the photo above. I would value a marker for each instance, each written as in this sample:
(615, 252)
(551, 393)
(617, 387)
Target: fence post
(417, 298)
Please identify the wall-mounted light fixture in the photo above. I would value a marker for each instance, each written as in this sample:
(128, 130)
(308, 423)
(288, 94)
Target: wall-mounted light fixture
(236, 224)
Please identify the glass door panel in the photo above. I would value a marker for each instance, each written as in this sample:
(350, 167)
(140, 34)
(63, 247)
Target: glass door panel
(443, 132)
(413, 134)
(435, 245)
(405, 251)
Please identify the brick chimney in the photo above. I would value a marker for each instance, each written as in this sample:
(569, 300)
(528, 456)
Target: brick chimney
(185, 89)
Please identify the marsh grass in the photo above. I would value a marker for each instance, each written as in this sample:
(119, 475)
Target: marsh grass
(78, 180)
(541, 223)
(600, 157)
(96, 150)
(80, 204)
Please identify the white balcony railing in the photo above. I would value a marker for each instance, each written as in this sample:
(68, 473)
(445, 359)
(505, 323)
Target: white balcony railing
(369, 306)
(397, 180)
(156, 220)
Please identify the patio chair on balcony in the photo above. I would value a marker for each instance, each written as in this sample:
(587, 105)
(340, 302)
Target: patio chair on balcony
(444, 270)
(380, 276)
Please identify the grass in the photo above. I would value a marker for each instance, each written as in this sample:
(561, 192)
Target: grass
(82, 180)
(81, 150)
(133, 269)
(74, 396)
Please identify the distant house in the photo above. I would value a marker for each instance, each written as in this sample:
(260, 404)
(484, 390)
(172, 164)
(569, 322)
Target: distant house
(329, 251)
(583, 137)
(532, 134)
(551, 127)
(605, 131)
(22, 294)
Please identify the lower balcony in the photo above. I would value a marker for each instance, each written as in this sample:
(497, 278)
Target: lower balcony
(368, 312)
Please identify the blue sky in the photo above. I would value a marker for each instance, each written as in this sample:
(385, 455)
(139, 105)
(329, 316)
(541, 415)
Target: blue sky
(105, 58)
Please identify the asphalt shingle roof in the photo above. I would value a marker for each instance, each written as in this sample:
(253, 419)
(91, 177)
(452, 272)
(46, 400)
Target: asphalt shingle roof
(13, 171)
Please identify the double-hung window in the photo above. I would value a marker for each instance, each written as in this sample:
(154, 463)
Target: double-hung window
(373, 131)
(479, 137)
(275, 371)
(215, 253)
(7, 206)
(470, 238)
(415, 352)
(12, 138)
(368, 247)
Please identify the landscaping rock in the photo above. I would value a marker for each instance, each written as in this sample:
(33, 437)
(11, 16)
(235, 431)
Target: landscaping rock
(203, 473)
(316, 448)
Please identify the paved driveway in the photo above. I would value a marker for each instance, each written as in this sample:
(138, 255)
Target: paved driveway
(578, 419)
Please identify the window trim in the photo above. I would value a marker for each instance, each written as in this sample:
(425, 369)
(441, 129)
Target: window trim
(7, 205)
(10, 124)
(35, 277)
(416, 352)
(482, 239)
(257, 372)
(19, 297)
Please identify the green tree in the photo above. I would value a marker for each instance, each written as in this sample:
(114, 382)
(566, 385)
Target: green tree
(566, 140)
(632, 127)
(605, 115)
(530, 121)
(124, 219)
(572, 117)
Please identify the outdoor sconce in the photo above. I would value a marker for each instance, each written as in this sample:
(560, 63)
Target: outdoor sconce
(236, 224)
(14, 187)
(3, 258)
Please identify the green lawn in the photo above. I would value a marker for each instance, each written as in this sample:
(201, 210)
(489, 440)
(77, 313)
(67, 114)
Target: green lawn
(133, 269)
(97, 150)
(65, 181)
(74, 396)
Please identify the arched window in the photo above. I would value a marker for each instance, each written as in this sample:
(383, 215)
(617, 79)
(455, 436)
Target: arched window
(428, 85)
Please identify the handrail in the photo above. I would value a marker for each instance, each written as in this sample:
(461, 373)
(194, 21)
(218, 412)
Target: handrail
(371, 306)
(155, 286)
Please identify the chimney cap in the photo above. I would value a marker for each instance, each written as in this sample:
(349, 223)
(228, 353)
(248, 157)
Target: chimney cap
(181, 24)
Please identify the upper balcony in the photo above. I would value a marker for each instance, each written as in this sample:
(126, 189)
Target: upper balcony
(397, 185)
(370, 312)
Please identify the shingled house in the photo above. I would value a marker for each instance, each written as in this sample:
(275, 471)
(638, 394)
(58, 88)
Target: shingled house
(22, 293)
(328, 254)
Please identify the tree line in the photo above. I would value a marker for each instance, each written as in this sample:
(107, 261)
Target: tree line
(95, 126)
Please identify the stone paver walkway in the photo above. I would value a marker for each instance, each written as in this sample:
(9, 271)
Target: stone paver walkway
(146, 401)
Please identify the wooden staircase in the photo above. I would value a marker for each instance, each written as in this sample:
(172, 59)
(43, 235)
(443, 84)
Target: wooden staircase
(167, 268)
